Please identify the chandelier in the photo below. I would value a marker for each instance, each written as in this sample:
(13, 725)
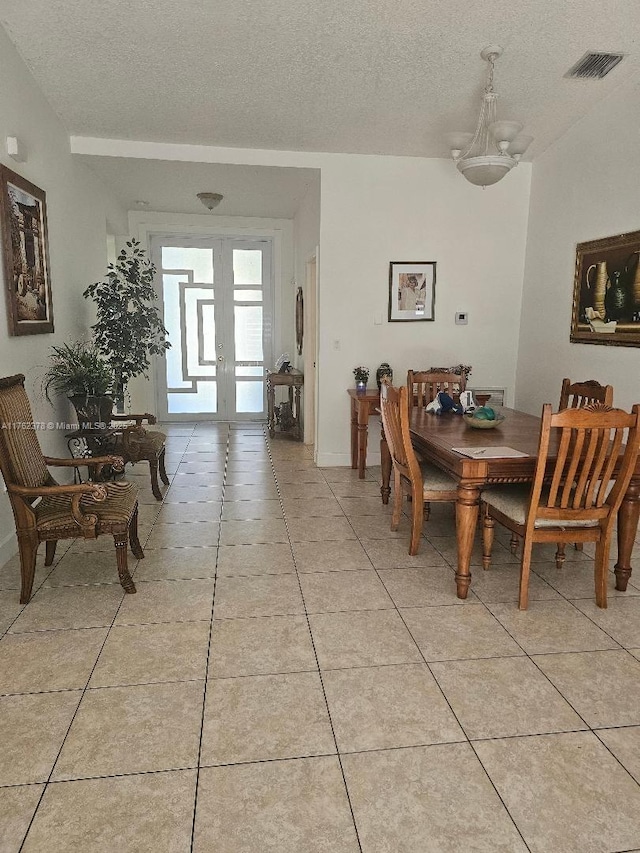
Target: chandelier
(485, 157)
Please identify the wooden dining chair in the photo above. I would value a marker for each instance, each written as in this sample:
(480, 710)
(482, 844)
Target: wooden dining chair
(46, 511)
(421, 481)
(576, 395)
(423, 385)
(574, 498)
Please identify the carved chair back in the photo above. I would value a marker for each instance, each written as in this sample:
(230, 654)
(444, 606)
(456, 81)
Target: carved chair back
(577, 395)
(423, 385)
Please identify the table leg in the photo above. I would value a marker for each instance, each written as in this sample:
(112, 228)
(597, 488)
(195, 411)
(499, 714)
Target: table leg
(628, 515)
(354, 434)
(298, 413)
(385, 464)
(363, 434)
(467, 505)
(270, 409)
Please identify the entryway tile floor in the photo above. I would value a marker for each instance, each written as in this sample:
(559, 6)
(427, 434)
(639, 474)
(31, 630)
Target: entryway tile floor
(288, 680)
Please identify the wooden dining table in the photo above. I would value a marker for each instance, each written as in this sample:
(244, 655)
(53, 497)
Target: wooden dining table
(435, 436)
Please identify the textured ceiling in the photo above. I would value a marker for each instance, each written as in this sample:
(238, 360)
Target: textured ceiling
(267, 191)
(369, 76)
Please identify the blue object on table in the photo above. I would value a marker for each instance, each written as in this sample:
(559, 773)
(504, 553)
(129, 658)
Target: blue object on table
(443, 403)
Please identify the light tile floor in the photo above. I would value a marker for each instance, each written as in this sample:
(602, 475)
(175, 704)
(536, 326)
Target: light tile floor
(288, 679)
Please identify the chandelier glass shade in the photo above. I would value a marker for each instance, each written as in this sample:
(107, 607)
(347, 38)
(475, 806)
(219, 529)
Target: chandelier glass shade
(485, 157)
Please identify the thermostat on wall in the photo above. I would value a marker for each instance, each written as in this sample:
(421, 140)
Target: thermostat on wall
(462, 318)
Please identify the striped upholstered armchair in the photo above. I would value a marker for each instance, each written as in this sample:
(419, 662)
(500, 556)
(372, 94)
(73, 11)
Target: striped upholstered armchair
(46, 511)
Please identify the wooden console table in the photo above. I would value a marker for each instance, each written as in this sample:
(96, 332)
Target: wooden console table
(290, 422)
(363, 404)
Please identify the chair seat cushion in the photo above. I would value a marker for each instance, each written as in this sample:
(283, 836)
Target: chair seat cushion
(435, 479)
(513, 501)
(54, 513)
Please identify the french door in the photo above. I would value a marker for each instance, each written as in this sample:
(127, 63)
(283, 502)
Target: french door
(216, 297)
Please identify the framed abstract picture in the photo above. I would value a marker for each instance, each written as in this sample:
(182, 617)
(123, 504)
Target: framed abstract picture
(412, 290)
(23, 219)
(606, 292)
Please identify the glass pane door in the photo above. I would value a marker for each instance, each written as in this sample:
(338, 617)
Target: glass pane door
(250, 267)
(216, 296)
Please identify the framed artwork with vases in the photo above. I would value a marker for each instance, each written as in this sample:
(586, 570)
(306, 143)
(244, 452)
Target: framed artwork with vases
(606, 292)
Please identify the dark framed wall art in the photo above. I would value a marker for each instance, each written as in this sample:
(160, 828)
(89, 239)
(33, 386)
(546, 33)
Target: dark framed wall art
(25, 249)
(606, 292)
(412, 290)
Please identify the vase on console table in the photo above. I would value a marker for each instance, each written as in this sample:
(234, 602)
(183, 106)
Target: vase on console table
(361, 376)
(381, 372)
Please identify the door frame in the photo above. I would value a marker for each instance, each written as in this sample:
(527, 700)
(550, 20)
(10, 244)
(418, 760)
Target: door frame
(310, 349)
(192, 236)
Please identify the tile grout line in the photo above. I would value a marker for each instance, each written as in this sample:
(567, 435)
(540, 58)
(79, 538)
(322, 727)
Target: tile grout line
(48, 780)
(315, 653)
(462, 728)
(557, 689)
(561, 596)
(206, 672)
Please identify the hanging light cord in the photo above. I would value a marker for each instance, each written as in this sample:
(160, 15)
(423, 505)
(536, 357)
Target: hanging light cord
(487, 115)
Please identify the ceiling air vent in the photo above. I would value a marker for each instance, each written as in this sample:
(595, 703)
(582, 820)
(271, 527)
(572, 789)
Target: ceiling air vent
(594, 66)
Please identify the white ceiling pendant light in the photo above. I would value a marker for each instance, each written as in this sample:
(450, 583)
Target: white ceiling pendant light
(485, 157)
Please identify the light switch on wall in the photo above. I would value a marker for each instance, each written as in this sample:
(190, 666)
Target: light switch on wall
(462, 318)
(377, 319)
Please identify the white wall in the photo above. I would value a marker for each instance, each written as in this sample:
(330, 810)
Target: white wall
(380, 209)
(78, 207)
(143, 225)
(584, 187)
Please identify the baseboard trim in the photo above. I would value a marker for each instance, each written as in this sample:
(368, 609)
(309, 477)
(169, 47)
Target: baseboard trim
(343, 460)
(8, 548)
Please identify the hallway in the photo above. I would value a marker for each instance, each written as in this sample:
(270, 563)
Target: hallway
(288, 679)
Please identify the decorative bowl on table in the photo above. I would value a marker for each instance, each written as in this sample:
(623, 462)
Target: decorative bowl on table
(483, 418)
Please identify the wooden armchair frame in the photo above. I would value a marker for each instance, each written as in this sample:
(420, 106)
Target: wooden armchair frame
(75, 508)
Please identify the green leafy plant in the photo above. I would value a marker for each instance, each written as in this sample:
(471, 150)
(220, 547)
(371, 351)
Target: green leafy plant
(77, 369)
(128, 328)
(361, 374)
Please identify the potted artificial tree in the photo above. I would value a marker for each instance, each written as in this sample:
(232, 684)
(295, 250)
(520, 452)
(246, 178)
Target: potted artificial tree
(128, 328)
(80, 372)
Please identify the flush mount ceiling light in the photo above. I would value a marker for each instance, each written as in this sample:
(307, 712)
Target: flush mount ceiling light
(485, 157)
(210, 200)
